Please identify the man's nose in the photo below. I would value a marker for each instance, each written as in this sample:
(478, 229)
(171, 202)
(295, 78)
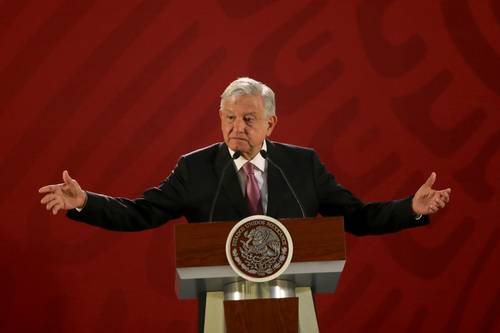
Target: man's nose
(239, 125)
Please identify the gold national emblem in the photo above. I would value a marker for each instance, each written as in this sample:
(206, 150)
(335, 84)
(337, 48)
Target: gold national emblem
(259, 248)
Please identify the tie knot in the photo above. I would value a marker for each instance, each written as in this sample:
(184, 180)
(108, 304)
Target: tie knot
(248, 168)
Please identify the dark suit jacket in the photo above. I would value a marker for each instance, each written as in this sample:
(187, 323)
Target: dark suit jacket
(190, 189)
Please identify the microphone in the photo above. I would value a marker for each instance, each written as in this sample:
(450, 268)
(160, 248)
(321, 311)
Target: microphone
(264, 154)
(217, 191)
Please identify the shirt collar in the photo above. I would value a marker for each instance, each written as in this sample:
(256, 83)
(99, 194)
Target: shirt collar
(258, 161)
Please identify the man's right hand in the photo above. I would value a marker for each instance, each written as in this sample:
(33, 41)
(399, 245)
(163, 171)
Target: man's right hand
(67, 195)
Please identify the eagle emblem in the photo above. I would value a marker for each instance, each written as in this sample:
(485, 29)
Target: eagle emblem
(259, 247)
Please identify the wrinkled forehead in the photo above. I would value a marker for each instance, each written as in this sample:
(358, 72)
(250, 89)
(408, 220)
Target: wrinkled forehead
(240, 95)
(246, 103)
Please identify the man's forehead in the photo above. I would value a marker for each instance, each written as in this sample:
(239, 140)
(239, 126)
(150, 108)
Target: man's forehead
(247, 100)
(241, 112)
(242, 107)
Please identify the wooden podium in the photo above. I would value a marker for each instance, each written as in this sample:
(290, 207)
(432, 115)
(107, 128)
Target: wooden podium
(202, 267)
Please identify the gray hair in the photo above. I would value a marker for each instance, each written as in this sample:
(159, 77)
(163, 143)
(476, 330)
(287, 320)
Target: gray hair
(245, 86)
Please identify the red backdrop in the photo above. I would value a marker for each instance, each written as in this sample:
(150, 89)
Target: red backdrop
(387, 91)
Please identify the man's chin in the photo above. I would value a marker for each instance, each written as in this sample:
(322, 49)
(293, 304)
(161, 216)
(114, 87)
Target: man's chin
(243, 152)
(239, 145)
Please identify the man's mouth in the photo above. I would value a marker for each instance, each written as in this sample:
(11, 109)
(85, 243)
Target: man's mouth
(239, 139)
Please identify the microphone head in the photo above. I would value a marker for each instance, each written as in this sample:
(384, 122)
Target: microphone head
(263, 153)
(236, 155)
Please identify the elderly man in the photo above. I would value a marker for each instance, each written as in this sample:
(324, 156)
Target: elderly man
(245, 175)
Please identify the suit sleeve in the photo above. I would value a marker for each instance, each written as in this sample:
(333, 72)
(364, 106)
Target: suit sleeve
(155, 207)
(361, 218)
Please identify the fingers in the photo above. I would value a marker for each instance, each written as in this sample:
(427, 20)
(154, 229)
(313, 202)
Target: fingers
(439, 201)
(445, 195)
(51, 204)
(47, 198)
(68, 182)
(432, 209)
(70, 185)
(430, 181)
(56, 208)
(67, 179)
(49, 188)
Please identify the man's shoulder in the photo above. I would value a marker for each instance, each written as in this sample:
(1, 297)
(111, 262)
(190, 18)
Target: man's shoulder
(287, 148)
(204, 153)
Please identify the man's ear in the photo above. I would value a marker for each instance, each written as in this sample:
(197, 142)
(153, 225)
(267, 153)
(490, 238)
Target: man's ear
(271, 124)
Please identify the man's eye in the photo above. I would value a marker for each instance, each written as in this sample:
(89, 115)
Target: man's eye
(249, 119)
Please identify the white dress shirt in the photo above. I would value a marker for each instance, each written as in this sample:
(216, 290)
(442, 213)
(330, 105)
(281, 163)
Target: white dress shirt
(260, 171)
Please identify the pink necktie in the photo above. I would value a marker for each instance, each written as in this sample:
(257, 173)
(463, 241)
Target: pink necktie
(253, 192)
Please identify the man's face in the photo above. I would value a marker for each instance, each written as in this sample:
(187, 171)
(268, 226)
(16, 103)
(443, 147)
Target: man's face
(244, 124)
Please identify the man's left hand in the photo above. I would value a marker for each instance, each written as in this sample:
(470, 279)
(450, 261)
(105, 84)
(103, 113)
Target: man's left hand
(429, 201)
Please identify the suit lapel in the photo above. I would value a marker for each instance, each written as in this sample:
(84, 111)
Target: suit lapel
(231, 188)
(276, 185)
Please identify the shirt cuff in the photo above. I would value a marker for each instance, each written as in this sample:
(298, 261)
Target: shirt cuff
(84, 204)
